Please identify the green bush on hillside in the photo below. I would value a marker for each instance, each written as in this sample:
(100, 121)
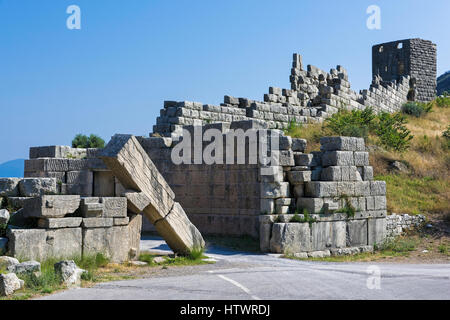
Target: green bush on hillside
(83, 141)
(388, 128)
(356, 123)
(392, 132)
(416, 109)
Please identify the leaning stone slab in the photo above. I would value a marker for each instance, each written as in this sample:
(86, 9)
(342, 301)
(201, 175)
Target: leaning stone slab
(129, 162)
(51, 206)
(58, 223)
(9, 283)
(35, 187)
(9, 187)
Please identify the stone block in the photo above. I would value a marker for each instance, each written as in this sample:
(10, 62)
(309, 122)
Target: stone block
(299, 190)
(299, 177)
(173, 229)
(377, 188)
(309, 159)
(319, 189)
(357, 233)
(342, 144)
(51, 206)
(299, 145)
(265, 231)
(328, 235)
(362, 188)
(46, 165)
(331, 174)
(290, 238)
(319, 254)
(275, 190)
(271, 174)
(114, 207)
(345, 188)
(380, 202)
(338, 158)
(361, 159)
(367, 173)
(91, 207)
(104, 184)
(313, 205)
(41, 244)
(134, 230)
(376, 231)
(35, 187)
(267, 206)
(9, 283)
(121, 221)
(9, 187)
(285, 143)
(97, 222)
(59, 223)
(113, 242)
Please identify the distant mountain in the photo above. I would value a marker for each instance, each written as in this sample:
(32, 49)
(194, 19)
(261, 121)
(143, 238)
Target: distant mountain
(443, 83)
(11, 169)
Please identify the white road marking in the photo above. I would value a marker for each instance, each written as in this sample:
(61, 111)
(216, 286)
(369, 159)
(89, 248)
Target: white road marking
(240, 286)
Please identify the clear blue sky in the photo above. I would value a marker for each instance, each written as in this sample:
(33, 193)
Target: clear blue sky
(113, 75)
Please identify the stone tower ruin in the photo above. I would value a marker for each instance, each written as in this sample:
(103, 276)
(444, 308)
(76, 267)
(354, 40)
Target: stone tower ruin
(412, 57)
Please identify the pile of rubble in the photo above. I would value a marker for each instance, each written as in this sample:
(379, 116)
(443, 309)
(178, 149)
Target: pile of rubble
(66, 270)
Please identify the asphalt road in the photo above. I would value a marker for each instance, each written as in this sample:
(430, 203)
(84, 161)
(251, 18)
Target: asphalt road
(238, 275)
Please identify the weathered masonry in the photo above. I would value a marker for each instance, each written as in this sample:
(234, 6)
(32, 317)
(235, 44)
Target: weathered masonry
(415, 58)
(326, 202)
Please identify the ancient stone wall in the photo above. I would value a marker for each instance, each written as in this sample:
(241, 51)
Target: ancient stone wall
(314, 96)
(415, 58)
(44, 224)
(396, 224)
(332, 192)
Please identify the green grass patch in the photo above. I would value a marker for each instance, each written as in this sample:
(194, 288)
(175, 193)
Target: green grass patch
(195, 258)
(415, 195)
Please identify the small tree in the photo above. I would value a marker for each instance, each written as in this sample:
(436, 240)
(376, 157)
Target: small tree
(83, 141)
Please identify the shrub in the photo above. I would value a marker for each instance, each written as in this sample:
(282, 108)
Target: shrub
(392, 132)
(416, 109)
(355, 123)
(83, 141)
(443, 102)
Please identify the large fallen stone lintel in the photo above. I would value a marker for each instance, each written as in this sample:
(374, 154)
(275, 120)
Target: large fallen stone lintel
(129, 162)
